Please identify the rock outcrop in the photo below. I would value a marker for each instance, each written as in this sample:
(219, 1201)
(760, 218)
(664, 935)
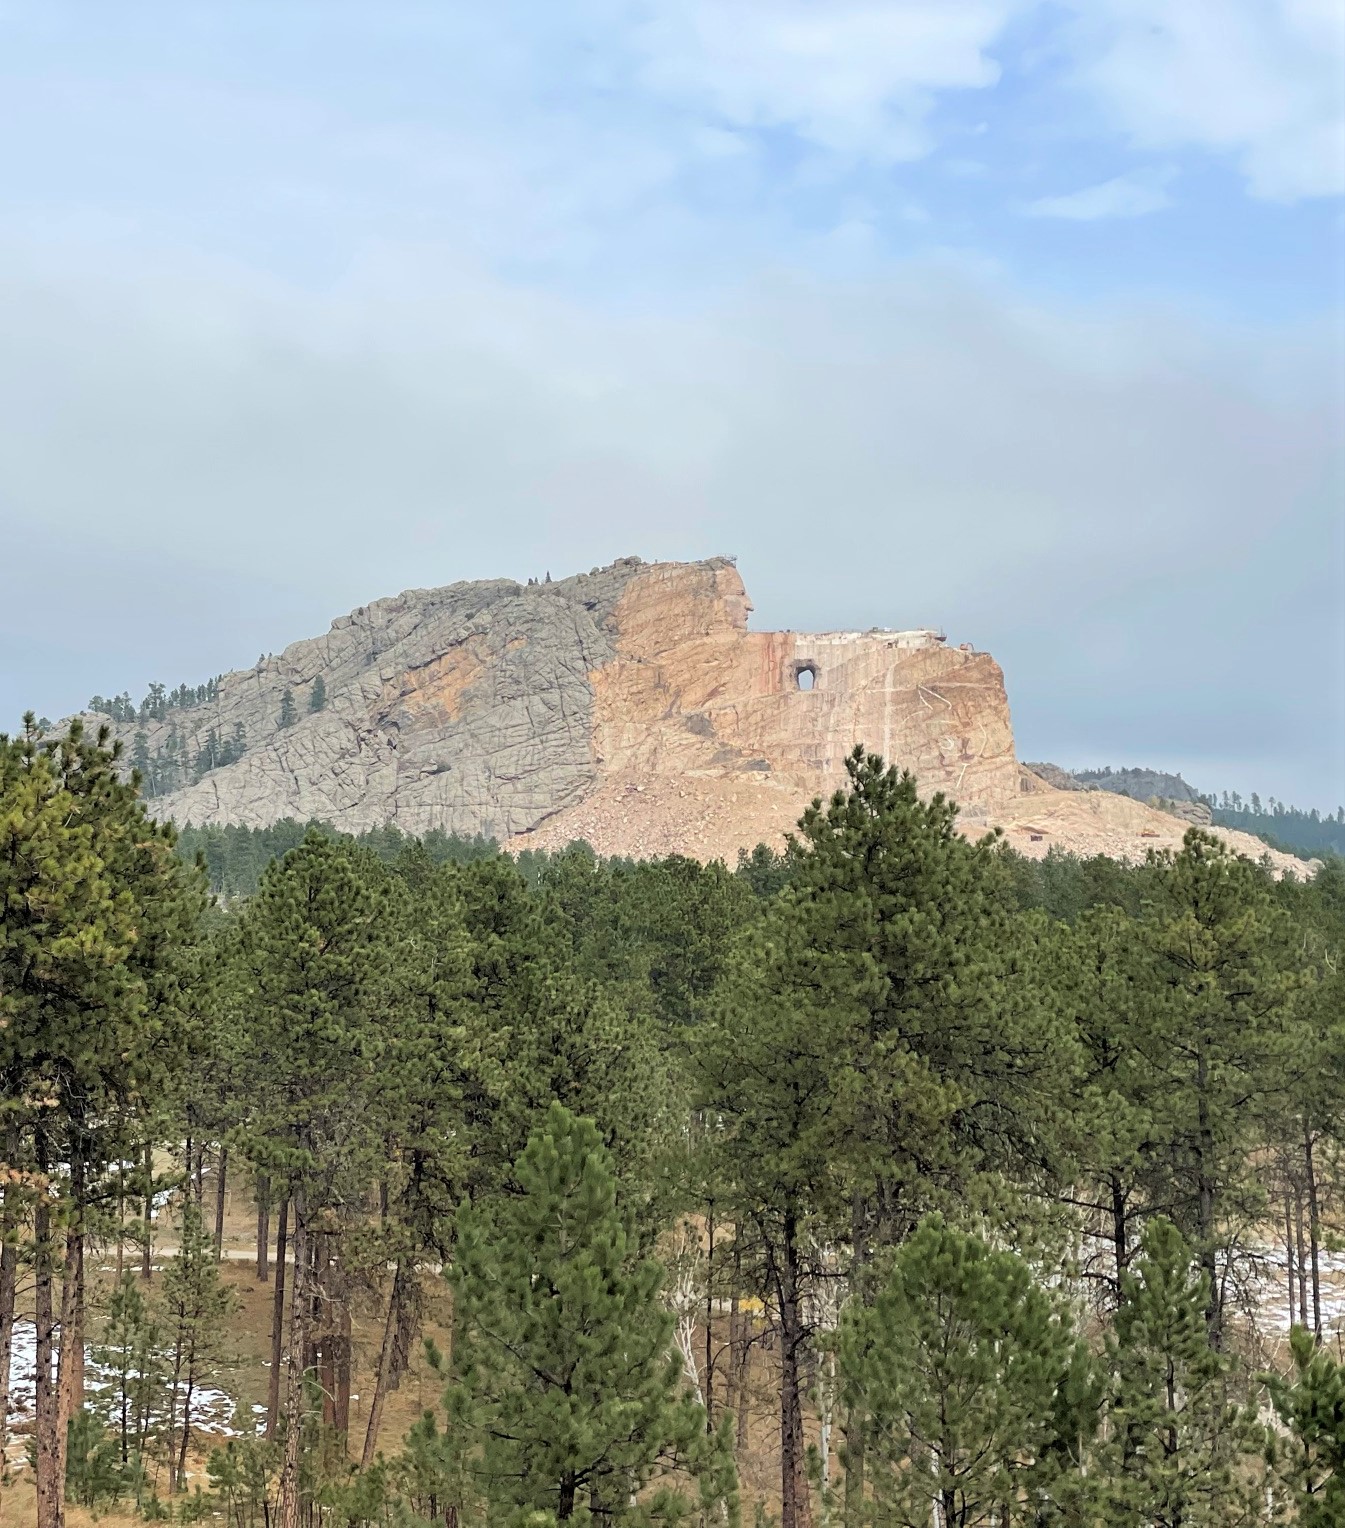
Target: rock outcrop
(630, 706)
(1139, 784)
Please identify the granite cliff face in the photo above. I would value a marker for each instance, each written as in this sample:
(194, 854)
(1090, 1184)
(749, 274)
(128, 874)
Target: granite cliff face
(630, 706)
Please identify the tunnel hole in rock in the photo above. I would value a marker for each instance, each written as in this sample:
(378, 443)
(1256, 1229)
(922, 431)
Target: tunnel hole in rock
(805, 676)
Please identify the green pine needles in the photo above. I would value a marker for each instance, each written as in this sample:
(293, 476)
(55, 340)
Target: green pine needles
(567, 1396)
(980, 1394)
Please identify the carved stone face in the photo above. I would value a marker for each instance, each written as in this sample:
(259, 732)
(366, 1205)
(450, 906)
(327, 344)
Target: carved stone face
(736, 603)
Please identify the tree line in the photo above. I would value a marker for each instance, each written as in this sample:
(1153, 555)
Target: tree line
(986, 1179)
(1289, 828)
(158, 701)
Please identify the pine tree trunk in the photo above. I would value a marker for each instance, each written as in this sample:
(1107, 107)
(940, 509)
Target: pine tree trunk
(1300, 1254)
(9, 1259)
(263, 1226)
(294, 1385)
(744, 1384)
(1120, 1240)
(1314, 1234)
(709, 1320)
(277, 1323)
(50, 1478)
(388, 1365)
(1289, 1255)
(324, 1314)
(337, 1341)
(70, 1368)
(855, 1435)
(731, 1378)
(147, 1250)
(740, 1332)
(1205, 1196)
(795, 1507)
(341, 1364)
(172, 1413)
(121, 1208)
(77, 1392)
(186, 1425)
(220, 1187)
(9, 1265)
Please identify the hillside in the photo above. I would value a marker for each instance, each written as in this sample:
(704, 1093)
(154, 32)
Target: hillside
(1305, 834)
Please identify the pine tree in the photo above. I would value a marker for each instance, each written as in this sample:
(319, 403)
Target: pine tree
(130, 1350)
(431, 1091)
(1313, 1409)
(574, 1041)
(1179, 1452)
(976, 1391)
(1218, 981)
(141, 762)
(1312, 1123)
(96, 909)
(195, 1303)
(775, 1065)
(1095, 971)
(891, 886)
(317, 696)
(567, 1397)
(288, 714)
(313, 955)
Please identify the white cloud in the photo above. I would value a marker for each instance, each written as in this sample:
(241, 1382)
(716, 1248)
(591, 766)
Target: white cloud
(1260, 81)
(858, 77)
(1123, 196)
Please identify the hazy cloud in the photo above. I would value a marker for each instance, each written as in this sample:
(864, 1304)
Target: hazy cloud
(1123, 196)
(1260, 81)
(857, 77)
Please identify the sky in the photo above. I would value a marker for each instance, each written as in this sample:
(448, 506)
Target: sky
(1023, 320)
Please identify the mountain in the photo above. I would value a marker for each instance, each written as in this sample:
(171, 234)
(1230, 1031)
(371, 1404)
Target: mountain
(630, 706)
(1138, 784)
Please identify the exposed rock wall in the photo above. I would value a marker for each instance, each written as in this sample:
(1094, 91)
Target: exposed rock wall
(467, 708)
(630, 706)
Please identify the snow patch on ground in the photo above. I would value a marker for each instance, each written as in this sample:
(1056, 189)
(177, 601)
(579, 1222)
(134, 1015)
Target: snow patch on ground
(213, 1411)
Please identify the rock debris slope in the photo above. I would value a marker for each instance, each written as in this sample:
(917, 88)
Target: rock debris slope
(630, 706)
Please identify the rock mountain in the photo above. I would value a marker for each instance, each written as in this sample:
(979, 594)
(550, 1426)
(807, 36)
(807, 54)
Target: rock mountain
(630, 706)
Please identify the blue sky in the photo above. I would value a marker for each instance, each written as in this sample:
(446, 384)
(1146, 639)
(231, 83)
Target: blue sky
(1021, 319)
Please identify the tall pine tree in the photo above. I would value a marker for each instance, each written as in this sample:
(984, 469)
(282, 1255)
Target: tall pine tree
(567, 1397)
(978, 1393)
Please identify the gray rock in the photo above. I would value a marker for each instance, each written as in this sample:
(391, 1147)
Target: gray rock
(1138, 784)
(466, 708)
(1057, 778)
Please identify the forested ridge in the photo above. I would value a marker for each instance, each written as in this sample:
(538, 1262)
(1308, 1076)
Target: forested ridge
(1307, 834)
(894, 1180)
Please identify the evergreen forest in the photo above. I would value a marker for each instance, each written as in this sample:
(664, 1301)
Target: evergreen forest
(891, 1180)
(1308, 834)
